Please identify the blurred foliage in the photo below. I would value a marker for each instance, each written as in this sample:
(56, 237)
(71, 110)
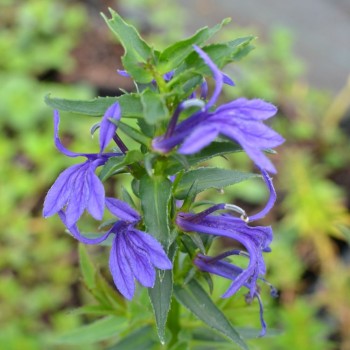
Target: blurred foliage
(309, 262)
(38, 278)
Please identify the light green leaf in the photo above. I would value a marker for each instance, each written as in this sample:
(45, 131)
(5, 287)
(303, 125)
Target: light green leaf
(154, 107)
(137, 53)
(195, 299)
(130, 105)
(205, 178)
(221, 54)
(87, 268)
(99, 330)
(155, 195)
(174, 55)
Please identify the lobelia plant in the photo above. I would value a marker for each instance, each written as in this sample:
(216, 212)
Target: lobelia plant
(157, 236)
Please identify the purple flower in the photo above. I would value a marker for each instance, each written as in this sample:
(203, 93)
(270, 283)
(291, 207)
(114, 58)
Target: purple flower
(134, 253)
(218, 266)
(107, 128)
(240, 120)
(255, 241)
(78, 188)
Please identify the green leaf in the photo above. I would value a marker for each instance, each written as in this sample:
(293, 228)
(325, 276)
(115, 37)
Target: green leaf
(185, 83)
(141, 339)
(221, 54)
(137, 53)
(130, 105)
(115, 164)
(208, 335)
(174, 55)
(97, 285)
(213, 150)
(102, 329)
(193, 297)
(154, 107)
(155, 193)
(108, 295)
(126, 197)
(134, 134)
(87, 268)
(160, 296)
(209, 178)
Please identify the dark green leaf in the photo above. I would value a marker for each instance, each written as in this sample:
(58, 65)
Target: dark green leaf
(141, 339)
(160, 296)
(196, 242)
(134, 134)
(135, 186)
(154, 107)
(174, 55)
(102, 329)
(213, 150)
(147, 129)
(130, 105)
(209, 178)
(194, 298)
(137, 53)
(155, 195)
(115, 164)
(208, 335)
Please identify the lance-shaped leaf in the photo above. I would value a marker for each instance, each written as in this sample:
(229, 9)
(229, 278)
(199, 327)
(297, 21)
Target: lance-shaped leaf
(135, 134)
(194, 298)
(160, 296)
(99, 330)
(137, 53)
(130, 105)
(155, 195)
(221, 54)
(174, 55)
(209, 178)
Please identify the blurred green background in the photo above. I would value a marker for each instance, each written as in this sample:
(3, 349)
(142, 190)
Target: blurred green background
(64, 48)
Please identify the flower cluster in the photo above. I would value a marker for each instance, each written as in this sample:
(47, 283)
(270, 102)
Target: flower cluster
(135, 254)
(254, 240)
(240, 120)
